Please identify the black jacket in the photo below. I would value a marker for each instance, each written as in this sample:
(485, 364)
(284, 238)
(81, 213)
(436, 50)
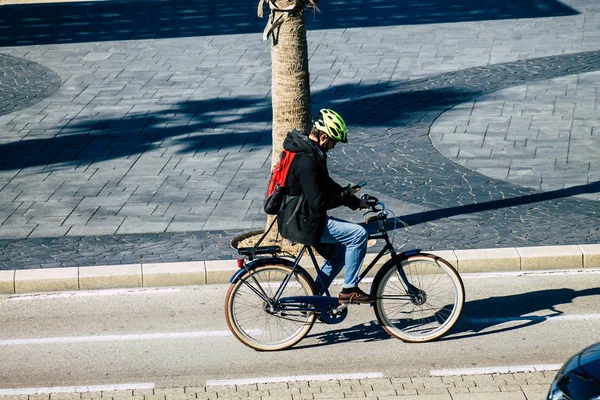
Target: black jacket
(311, 192)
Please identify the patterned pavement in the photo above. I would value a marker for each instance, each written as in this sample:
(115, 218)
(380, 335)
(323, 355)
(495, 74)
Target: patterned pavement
(24, 83)
(127, 137)
(505, 386)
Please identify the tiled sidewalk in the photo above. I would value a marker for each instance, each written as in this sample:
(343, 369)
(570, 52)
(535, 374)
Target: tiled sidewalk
(514, 386)
(156, 145)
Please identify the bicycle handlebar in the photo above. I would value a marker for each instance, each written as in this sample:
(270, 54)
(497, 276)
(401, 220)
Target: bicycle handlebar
(373, 202)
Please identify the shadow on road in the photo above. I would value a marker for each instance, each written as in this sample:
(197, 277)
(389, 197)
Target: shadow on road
(367, 332)
(505, 313)
(483, 317)
(92, 21)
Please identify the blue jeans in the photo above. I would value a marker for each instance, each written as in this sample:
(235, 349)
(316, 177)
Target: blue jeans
(350, 242)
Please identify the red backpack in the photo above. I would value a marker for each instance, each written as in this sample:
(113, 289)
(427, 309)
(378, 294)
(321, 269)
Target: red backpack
(276, 191)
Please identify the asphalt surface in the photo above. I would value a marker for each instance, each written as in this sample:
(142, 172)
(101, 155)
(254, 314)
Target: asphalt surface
(134, 133)
(177, 337)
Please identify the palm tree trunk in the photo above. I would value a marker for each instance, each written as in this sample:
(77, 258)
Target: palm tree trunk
(290, 87)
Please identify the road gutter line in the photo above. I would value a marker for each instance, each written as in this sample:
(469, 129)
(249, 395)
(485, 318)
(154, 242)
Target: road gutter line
(297, 378)
(75, 389)
(495, 370)
(528, 273)
(94, 293)
(535, 318)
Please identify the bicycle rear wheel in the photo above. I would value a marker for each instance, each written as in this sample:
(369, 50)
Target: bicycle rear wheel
(254, 322)
(431, 313)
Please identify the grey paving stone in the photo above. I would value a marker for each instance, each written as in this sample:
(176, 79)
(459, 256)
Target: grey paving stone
(149, 224)
(92, 230)
(51, 230)
(10, 231)
(141, 111)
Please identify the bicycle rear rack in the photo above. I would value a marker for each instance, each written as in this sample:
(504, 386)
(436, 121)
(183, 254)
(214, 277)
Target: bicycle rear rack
(252, 251)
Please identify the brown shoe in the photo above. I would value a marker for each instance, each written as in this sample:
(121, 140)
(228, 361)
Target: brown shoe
(355, 295)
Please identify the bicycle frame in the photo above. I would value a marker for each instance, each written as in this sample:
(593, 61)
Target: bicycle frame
(320, 302)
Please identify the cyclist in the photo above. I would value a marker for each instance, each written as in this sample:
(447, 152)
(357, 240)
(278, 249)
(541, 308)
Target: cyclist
(311, 192)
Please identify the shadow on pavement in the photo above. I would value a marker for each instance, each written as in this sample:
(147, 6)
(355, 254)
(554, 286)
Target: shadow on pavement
(106, 139)
(479, 317)
(433, 215)
(212, 124)
(192, 126)
(76, 22)
(198, 126)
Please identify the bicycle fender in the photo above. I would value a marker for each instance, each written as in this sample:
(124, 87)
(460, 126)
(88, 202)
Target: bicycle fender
(268, 261)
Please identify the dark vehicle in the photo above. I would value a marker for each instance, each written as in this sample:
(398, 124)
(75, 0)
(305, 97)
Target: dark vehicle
(579, 377)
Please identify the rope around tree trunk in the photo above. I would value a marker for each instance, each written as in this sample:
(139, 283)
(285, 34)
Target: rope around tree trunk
(280, 10)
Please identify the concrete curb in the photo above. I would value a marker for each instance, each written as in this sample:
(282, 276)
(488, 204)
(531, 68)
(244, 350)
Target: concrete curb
(215, 272)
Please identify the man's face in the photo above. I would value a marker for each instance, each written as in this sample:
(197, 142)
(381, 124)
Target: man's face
(326, 143)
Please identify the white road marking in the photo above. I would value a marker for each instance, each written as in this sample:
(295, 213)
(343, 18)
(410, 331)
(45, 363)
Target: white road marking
(92, 293)
(482, 275)
(297, 378)
(536, 318)
(495, 370)
(75, 389)
(114, 338)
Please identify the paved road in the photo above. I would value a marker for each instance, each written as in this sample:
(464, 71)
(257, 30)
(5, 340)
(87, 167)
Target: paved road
(132, 133)
(176, 337)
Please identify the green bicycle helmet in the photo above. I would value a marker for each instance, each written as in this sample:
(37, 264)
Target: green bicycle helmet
(331, 123)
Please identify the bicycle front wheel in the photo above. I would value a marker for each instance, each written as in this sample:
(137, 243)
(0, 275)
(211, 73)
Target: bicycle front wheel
(429, 314)
(254, 321)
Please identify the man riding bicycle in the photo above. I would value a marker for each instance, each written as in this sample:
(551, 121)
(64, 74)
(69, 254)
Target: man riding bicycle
(311, 192)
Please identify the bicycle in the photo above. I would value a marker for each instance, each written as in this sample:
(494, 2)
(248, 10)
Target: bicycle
(272, 302)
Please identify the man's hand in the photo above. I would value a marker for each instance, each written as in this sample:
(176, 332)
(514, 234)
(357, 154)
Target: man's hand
(363, 204)
(355, 190)
(368, 201)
